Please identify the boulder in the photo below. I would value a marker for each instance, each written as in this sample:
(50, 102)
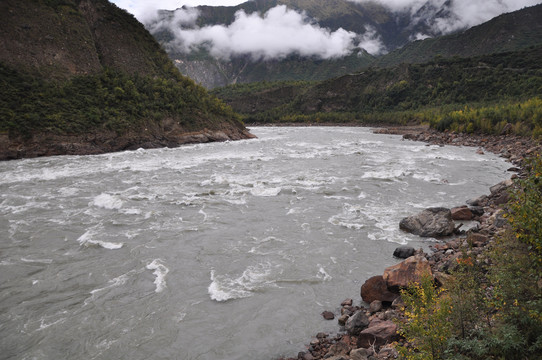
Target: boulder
(377, 335)
(406, 272)
(461, 213)
(375, 306)
(375, 288)
(404, 252)
(342, 320)
(477, 239)
(305, 356)
(431, 222)
(388, 352)
(360, 354)
(500, 187)
(477, 210)
(357, 322)
(328, 315)
(339, 348)
(479, 201)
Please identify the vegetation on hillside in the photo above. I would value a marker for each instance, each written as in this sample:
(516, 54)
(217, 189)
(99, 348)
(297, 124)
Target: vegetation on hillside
(110, 100)
(495, 309)
(108, 75)
(493, 90)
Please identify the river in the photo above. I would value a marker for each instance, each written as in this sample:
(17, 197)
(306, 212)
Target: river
(211, 251)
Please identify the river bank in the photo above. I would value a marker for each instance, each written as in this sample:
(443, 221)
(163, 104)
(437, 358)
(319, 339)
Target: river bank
(365, 331)
(100, 142)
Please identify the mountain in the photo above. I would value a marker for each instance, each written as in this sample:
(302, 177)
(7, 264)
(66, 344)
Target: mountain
(212, 71)
(83, 76)
(395, 94)
(507, 32)
(378, 30)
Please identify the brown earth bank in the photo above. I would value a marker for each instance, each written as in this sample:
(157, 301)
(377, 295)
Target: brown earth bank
(99, 142)
(367, 331)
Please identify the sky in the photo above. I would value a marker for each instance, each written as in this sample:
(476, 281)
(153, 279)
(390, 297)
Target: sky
(282, 31)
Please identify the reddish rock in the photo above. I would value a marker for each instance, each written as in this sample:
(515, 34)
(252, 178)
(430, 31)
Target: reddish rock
(339, 348)
(347, 302)
(477, 239)
(377, 335)
(360, 354)
(375, 288)
(406, 272)
(462, 213)
(328, 315)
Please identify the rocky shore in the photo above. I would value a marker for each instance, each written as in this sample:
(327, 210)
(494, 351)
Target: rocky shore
(366, 331)
(151, 137)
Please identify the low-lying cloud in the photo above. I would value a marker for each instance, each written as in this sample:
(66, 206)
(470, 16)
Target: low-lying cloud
(443, 17)
(276, 34)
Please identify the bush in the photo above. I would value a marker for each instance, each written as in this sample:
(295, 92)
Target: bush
(427, 327)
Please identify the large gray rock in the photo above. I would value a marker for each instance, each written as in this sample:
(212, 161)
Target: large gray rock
(404, 252)
(431, 222)
(357, 322)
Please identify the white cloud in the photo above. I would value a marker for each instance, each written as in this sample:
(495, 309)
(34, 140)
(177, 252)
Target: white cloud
(143, 9)
(468, 13)
(275, 35)
(460, 14)
(371, 42)
(180, 18)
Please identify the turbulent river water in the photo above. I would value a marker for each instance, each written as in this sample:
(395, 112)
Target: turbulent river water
(213, 251)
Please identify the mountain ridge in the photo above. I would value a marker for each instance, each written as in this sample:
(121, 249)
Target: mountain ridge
(82, 76)
(394, 30)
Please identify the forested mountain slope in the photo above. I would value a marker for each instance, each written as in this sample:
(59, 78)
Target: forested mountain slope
(82, 76)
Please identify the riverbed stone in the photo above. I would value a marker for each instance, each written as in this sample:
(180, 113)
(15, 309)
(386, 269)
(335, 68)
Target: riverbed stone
(375, 306)
(404, 252)
(462, 213)
(339, 348)
(375, 288)
(378, 333)
(357, 322)
(406, 272)
(360, 354)
(431, 222)
(328, 315)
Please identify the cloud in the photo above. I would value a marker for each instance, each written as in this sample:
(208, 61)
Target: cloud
(143, 10)
(371, 42)
(274, 35)
(443, 17)
(181, 18)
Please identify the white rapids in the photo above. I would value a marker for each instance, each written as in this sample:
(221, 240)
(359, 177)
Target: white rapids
(211, 251)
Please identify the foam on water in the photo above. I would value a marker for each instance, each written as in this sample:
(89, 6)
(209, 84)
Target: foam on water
(253, 279)
(107, 201)
(351, 217)
(87, 239)
(322, 274)
(265, 192)
(160, 271)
